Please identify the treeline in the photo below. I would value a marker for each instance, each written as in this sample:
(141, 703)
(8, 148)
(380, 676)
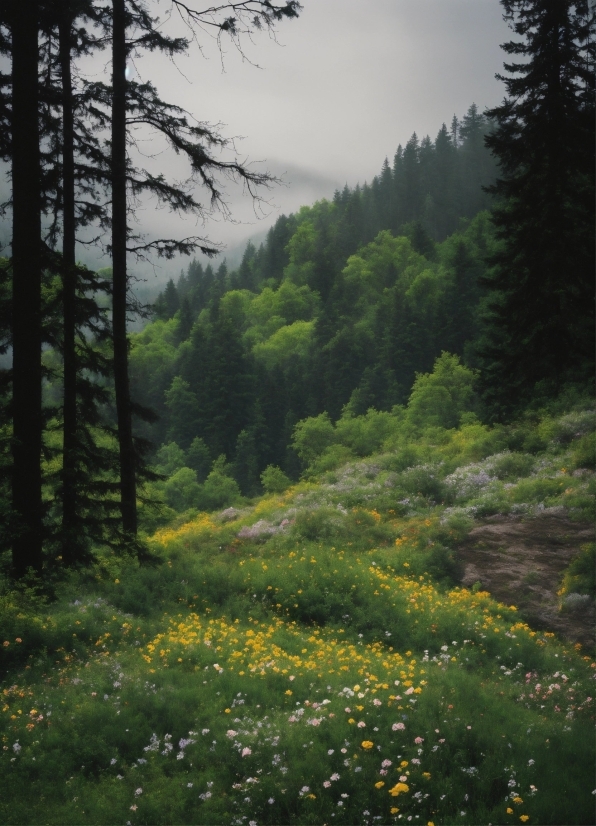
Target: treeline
(335, 310)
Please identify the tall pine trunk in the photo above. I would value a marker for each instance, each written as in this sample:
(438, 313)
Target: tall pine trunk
(119, 214)
(26, 294)
(69, 457)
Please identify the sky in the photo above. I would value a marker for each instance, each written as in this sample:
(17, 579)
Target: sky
(324, 103)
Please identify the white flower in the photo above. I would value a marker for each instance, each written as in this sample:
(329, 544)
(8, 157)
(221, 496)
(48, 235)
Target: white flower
(138, 792)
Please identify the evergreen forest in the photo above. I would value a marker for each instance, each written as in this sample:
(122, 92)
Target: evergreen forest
(315, 543)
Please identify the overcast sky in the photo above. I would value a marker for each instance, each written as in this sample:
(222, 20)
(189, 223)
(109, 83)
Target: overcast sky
(343, 85)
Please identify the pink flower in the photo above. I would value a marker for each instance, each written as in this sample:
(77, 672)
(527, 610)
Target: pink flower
(410, 690)
(347, 710)
(231, 733)
(335, 776)
(418, 740)
(397, 727)
(246, 751)
(327, 783)
(361, 724)
(386, 764)
(377, 702)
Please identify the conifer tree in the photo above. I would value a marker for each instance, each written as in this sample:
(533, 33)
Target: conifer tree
(541, 326)
(23, 20)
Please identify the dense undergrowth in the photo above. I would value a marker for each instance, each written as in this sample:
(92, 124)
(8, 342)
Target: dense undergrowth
(309, 657)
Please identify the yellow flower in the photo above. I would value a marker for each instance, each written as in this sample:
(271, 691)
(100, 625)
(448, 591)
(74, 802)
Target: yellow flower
(523, 818)
(288, 692)
(394, 810)
(517, 800)
(426, 774)
(430, 823)
(509, 810)
(356, 688)
(227, 710)
(398, 789)
(367, 744)
(380, 784)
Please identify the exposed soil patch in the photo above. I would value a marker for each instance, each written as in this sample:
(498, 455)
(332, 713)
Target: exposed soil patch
(521, 560)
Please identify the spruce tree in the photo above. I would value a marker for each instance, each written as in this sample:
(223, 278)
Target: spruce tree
(540, 331)
(23, 20)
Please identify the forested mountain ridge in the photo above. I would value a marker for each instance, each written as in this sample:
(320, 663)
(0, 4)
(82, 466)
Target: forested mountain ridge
(345, 302)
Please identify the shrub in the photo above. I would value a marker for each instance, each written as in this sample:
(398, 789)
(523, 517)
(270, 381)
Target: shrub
(512, 465)
(580, 576)
(182, 490)
(439, 398)
(312, 436)
(584, 452)
(274, 480)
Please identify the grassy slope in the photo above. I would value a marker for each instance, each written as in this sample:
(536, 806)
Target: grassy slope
(326, 671)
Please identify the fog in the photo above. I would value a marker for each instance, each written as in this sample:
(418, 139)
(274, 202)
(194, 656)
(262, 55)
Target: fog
(321, 104)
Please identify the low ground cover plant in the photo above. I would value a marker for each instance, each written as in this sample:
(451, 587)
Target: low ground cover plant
(310, 657)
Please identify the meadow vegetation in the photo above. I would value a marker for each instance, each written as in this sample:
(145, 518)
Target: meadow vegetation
(309, 656)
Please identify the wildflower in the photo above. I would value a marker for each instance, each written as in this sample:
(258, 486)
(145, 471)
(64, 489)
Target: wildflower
(419, 740)
(398, 727)
(138, 792)
(347, 710)
(523, 818)
(377, 702)
(398, 789)
(231, 733)
(271, 801)
(246, 751)
(304, 790)
(386, 763)
(326, 784)
(189, 785)
(367, 744)
(403, 778)
(330, 751)
(379, 784)
(134, 807)
(335, 776)
(361, 724)
(509, 810)
(394, 810)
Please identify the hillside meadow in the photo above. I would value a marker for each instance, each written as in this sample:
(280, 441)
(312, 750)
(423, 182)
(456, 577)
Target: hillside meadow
(310, 656)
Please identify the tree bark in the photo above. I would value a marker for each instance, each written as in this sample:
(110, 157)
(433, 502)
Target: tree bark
(26, 292)
(119, 233)
(69, 457)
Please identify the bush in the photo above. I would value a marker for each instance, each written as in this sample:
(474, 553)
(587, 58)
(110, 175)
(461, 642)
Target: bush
(274, 480)
(439, 398)
(182, 490)
(512, 466)
(219, 491)
(580, 576)
(584, 452)
(312, 436)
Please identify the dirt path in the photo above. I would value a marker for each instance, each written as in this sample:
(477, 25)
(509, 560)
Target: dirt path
(521, 562)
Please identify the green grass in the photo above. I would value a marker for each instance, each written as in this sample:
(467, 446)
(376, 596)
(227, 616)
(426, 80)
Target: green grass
(296, 673)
